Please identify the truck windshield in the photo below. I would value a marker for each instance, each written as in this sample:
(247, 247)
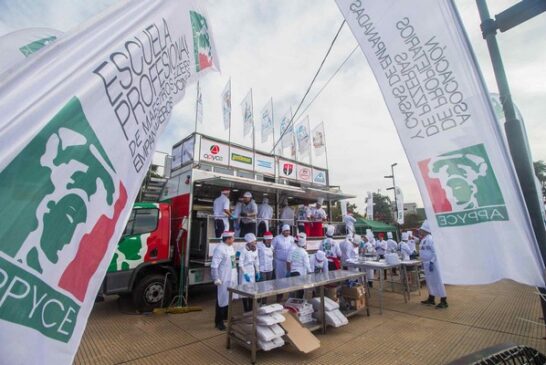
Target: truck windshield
(142, 220)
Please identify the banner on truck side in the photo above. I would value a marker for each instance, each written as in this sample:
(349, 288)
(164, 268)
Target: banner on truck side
(80, 120)
(425, 68)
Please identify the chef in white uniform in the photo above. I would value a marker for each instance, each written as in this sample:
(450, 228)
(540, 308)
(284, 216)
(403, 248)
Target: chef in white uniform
(411, 243)
(380, 246)
(318, 262)
(298, 261)
(282, 244)
(287, 216)
(265, 257)
(224, 275)
(265, 213)
(331, 249)
(404, 248)
(391, 244)
(346, 248)
(352, 251)
(249, 269)
(435, 285)
(222, 213)
(349, 221)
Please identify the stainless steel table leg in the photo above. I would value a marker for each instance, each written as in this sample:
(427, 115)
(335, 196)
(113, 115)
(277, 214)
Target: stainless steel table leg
(381, 294)
(228, 332)
(254, 332)
(404, 283)
(322, 311)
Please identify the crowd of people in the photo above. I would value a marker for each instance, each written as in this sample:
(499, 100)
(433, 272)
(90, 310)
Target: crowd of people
(249, 217)
(285, 255)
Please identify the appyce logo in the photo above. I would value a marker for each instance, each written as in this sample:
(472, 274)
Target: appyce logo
(214, 149)
(214, 154)
(60, 184)
(463, 187)
(201, 41)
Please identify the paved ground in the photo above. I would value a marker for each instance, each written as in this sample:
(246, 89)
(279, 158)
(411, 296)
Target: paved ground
(478, 317)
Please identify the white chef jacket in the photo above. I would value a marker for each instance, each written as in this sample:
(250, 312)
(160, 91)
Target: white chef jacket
(265, 257)
(249, 208)
(318, 214)
(346, 247)
(318, 267)
(287, 216)
(330, 247)
(265, 213)
(411, 244)
(303, 214)
(248, 264)
(349, 221)
(433, 278)
(391, 245)
(380, 247)
(223, 268)
(281, 248)
(220, 204)
(405, 250)
(299, 261)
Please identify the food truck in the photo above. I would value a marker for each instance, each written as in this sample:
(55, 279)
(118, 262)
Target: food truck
(169, 240)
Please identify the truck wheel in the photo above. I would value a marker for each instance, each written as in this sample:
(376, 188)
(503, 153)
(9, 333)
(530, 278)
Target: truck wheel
(149, 292)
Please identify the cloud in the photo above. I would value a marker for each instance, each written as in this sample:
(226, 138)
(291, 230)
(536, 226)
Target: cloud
(275, 48)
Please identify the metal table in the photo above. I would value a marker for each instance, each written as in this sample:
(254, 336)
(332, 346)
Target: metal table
(380, 265)
(269, 288)
(404, 266)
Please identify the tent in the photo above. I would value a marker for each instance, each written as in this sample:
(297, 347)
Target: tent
(362, 224)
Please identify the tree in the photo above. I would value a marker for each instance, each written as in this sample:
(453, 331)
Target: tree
(412, 220)
(540, 171)
(382, 209)
(336, 211)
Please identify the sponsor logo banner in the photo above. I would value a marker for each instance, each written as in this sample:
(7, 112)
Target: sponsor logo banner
(241, 158)
(287, 169)
(305, 174)
(214, 152)
(264, 164)
(319, 177)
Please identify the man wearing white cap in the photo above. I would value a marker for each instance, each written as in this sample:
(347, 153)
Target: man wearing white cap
(391, 244)
(249, 211)
(282, 245)
(404, 248)
(265, 213)
(349, 221)
(249, 270)
(265, 256)
(224, 275)
(368, 248)
(346, 247)
(318, 216)
(331, 249)
(222, 213)
(298, 260)
(287, 216)
(435, 285)
(319, 262)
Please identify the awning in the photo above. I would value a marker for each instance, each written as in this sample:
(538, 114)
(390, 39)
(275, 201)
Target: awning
(362, 224)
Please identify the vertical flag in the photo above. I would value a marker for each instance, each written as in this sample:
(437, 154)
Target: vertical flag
(72, 156)
(226, 105)
(199, 106)
(248, 117)
(369, 206)
(267, 121)
(319, 139)
(286, 135)
(399, 205)
(425, 67)
(303, 137)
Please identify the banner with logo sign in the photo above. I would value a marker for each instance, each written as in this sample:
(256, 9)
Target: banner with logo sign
(16, 47)
(248, 116)
(264, 164)
(214, 152)
(226, 105)
(424, 65)
(267, 121)
(369, 206)
(287, 169)
(305, 174)
(302, 131)
(73, 153)
(319, 140)
(399, 205)
(319, 177)
(241, 158)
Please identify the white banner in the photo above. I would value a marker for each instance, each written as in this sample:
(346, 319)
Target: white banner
(287, 138)
(302, 131)
(199, 106)
(248, 117)
(214, 152)
(369, 206)
(16, 46)
(226, 105)
(399, 205)
(423, 63)
(80, 120)
(267, 121)
(264, 164)
(319, 139)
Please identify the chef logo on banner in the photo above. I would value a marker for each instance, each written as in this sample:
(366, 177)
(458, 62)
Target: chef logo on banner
(463, 187)
(55, 188)
(201, 41)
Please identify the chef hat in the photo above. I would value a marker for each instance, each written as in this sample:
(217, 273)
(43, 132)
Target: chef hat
(250, 237)
(405, 236)
(410, 233)
(320, 201)
(268, 235)
(330, 230)
(320, 256)
(285, 227)
(301, 238)
(357, 239)
(248, 194)
(265, 200)
(228, 234)
(425, 227)
(389, 235)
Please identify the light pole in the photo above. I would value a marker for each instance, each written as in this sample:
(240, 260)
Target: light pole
(393, 187)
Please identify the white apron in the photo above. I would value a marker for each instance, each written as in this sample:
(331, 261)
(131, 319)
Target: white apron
(223, 259)
(435, 285)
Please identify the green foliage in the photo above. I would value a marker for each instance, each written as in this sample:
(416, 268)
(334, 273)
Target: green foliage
(382, 209)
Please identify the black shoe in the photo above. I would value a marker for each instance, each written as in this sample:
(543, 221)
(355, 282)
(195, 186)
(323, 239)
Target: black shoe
(221, 326)
(442, 305)
(370, 284)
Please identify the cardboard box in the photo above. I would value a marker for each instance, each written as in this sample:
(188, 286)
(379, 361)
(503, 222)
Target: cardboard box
(298, 335)
(356, 292)
(331, 293)
(356, 304)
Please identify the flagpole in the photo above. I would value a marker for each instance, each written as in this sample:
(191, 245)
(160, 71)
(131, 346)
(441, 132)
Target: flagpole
(253, 124)
(229, 125)
(310, 144)
(326, 152)
(273, 124)
(196, 106)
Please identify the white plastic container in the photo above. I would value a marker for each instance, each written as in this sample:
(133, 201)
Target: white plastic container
(333, 318)
(329, 304)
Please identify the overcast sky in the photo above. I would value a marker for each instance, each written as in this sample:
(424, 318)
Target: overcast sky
(275, 47)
